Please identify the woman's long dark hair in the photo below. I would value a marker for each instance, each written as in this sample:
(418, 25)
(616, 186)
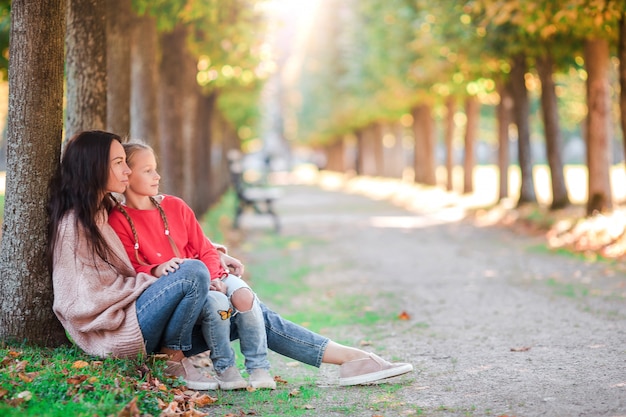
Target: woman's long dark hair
(79, 184)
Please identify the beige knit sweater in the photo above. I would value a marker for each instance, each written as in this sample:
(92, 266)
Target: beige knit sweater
(94, 302)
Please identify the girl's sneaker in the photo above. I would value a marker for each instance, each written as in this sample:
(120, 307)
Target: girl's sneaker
(261, 378)
(231, 379)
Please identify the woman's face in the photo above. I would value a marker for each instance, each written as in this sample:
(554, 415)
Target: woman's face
(118, 169)
(144, 180)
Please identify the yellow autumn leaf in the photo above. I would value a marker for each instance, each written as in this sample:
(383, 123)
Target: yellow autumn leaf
(80, 365)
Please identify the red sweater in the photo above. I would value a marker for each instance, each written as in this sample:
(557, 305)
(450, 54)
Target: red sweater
(154, 246)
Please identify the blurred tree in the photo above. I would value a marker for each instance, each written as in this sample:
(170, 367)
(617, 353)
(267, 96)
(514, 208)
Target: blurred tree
(118, 46)
(86, 66)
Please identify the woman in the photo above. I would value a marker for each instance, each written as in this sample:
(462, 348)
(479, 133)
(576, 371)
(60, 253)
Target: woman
(108, 309)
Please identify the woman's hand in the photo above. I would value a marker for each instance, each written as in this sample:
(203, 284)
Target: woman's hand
(167, 267)
(231, 265)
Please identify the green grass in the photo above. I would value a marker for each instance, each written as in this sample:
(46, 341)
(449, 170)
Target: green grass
(45, 382)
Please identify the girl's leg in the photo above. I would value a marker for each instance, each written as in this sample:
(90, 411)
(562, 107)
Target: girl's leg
(215, 324)
(248, 319)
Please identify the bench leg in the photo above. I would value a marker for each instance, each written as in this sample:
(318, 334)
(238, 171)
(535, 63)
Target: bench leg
(271, 212)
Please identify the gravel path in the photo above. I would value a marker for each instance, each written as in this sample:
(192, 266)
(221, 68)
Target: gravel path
(498, 325)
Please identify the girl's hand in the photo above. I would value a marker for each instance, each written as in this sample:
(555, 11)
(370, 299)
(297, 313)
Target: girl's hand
(218, 285)
(166, 267)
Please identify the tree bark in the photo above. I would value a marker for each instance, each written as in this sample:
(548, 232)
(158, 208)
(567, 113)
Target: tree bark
(448, 134)
(598, 126)
(503, 115)
(171, 110)
(472, 111)
(34, 135)
(86, 66)
(118, 66)
(424, 149)
(144, 82)
(520, 116)
(554, 141)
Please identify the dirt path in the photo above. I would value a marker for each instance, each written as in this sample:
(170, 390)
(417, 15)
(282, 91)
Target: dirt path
(498, 325)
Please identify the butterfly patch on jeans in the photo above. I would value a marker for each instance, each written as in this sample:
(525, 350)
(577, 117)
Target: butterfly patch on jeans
(225, 314)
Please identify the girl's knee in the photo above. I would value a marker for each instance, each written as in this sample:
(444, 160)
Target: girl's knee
(242, 299)
(217, 301)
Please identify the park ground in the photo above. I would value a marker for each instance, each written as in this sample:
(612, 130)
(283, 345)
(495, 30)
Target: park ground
(494, 322)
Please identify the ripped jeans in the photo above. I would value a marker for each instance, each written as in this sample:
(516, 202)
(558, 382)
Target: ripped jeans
(216, 324)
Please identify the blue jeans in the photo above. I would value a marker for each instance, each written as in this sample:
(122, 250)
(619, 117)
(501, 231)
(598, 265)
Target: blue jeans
(169, 308)
(216, 321)
(283, 337)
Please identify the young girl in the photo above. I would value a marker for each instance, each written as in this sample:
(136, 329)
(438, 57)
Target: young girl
(109, 309)
(159, 232)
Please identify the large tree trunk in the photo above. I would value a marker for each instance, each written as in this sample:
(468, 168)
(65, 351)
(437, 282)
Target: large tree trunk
(472, 111)
(598, 126)
(171, 110)
(35, 123)
(118, 66)
(144, 122)
(554, 141)
(520, 115)
(503, 115)
(448, 135)
(424, 149)
(86, 65)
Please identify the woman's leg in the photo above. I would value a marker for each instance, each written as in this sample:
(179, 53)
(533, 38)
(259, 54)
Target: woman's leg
(167, 312)
(296, 342)
(168, 309)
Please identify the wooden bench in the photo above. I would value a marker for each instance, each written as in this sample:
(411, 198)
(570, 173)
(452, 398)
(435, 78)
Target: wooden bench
(259, 198)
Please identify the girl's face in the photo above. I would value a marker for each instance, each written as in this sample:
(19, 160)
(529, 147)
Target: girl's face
(144, 180)
(118, 169)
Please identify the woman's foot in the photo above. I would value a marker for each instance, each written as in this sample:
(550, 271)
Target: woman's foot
(193, 378)
(260, 378)
(231, 379)
(371, 369)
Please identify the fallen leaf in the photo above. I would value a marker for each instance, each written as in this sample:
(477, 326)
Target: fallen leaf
(404, 316)
(520, 349)
(20, 366)
(25, 395)
(24, 377)
(279, 380)
(294, 392)
(365, 343)
(80, 365)
(77, 379)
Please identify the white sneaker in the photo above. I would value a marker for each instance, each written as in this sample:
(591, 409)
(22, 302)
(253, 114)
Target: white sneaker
(261, 378)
